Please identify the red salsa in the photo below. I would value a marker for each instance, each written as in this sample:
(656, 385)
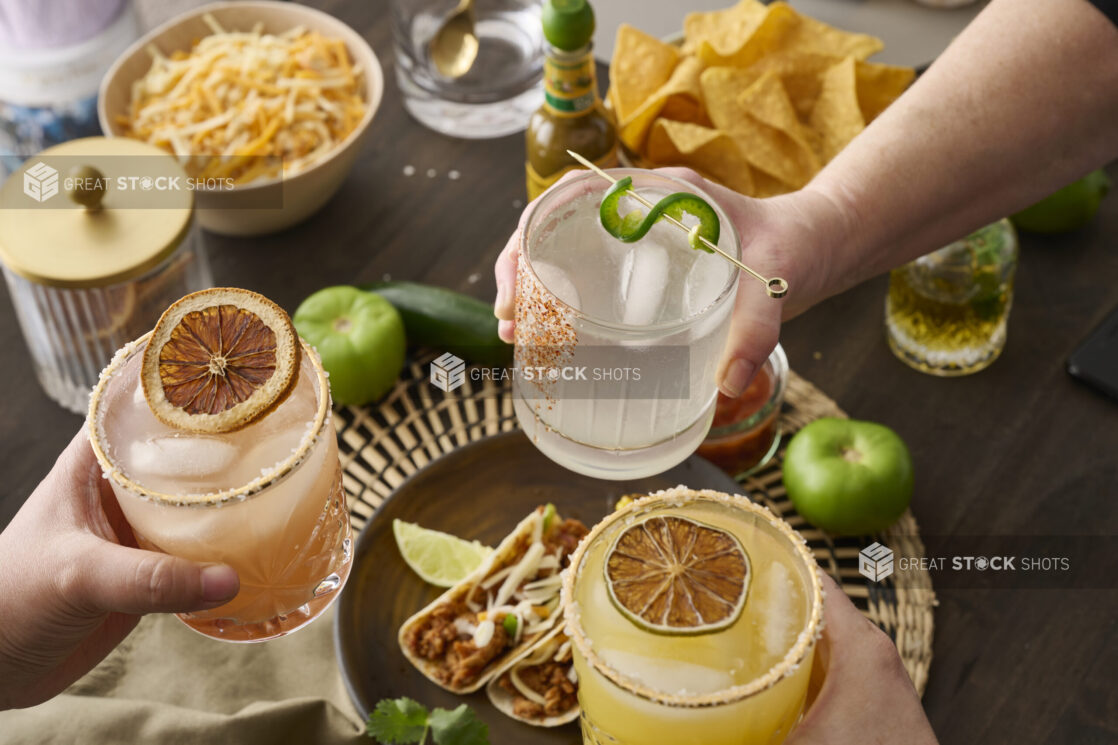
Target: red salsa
(735, 444)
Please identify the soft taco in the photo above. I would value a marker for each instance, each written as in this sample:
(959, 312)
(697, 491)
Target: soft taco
(540, 686)
(477, 628)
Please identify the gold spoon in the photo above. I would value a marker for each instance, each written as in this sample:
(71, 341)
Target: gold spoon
(453, 48)
(776, 287)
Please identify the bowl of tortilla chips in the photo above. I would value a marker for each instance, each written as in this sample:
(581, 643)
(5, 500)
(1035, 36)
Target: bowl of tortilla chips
(756, 97)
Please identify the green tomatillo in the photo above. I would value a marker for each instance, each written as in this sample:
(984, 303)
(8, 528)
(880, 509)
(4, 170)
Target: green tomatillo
(848, 477)
(359, 336)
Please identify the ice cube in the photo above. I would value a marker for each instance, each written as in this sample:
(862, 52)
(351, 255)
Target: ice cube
(644, 280)
(778, 631)
(668, 675)
(191, 458)
(704, 282)
(558, 282)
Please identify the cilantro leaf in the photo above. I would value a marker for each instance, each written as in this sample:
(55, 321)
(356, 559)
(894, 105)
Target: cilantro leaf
(398, 721)
(458, 727)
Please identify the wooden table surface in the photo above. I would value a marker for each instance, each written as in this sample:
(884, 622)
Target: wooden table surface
(1019, 449)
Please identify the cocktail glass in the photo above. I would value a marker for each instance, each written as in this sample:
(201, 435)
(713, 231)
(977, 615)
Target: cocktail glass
(946, 313)
(266, 499)
(744, 685)
(645, 322)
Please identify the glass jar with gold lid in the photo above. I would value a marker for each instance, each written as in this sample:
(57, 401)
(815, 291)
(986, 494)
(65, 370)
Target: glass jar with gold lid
(97, 238)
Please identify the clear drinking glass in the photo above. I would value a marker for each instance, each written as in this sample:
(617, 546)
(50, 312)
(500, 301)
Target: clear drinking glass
(501, 89)
(946, 312)
(266, 499)
(644, 322)
(745, 684)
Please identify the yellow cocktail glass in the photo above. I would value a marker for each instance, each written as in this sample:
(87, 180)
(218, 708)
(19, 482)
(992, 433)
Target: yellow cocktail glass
(741, 685)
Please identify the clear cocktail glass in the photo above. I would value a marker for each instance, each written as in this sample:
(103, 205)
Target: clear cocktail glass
(266, 499)
(745, 684)
(617, 343)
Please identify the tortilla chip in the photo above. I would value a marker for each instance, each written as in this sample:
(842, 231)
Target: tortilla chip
(765, 186)
(801, 73)
(783, 30)
(836, 116)
(709, 151)
(816, 37)
(641, 64)
(726, 31)
(767, 103)
(681, 95)
(766, 38)
(879, 85)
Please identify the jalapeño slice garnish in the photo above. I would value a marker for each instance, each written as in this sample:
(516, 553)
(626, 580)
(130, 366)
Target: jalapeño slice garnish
(633, 226)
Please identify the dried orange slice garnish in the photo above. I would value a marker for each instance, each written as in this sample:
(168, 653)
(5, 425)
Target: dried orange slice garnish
(219, 360)
(673, 575)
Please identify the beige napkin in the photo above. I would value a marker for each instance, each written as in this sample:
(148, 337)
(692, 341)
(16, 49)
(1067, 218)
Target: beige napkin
(167, 684)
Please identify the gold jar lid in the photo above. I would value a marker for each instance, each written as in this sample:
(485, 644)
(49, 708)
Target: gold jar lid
(93, 212)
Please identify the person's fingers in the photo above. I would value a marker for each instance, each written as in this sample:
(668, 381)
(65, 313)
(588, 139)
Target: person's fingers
(754, 332)
(505, 270)
(112, 578)
(684, 174)
(507, 331)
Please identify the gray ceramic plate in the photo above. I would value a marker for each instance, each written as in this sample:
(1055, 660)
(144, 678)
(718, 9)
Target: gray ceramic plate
(479, 491)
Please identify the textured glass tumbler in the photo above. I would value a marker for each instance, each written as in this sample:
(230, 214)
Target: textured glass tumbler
(946, 312)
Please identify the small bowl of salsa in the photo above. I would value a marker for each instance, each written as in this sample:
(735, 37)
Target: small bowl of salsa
(745, 433)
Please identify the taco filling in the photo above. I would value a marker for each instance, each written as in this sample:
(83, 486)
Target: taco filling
(513, 604)
(543, 685)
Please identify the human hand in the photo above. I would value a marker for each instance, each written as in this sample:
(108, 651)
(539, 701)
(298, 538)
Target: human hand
(73, 584)
(791, 236)
(866, 696)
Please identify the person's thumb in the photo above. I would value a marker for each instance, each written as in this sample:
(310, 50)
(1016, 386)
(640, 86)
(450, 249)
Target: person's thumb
(113, 578)
(754, 332)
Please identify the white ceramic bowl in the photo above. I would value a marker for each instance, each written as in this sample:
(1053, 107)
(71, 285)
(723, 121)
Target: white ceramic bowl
(236, 211)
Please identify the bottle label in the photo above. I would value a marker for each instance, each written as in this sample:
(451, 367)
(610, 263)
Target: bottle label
(538, 184)
(569, 87)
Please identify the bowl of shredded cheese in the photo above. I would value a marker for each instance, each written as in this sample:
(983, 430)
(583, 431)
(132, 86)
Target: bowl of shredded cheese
(266, 105)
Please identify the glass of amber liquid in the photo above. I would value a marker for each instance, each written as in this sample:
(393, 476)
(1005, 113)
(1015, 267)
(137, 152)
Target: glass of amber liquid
(693, 618)
(946, 312)
(266, 499)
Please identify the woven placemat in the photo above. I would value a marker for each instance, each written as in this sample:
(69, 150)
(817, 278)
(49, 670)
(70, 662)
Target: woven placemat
(416, 423)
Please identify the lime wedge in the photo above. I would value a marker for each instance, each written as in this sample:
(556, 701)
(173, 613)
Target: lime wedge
(439, 558)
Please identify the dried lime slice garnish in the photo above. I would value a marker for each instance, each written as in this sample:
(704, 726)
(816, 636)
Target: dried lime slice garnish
(672, 575)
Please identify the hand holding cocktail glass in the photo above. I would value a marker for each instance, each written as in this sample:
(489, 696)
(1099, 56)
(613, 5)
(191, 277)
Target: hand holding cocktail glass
(780, 237)
(73, 584)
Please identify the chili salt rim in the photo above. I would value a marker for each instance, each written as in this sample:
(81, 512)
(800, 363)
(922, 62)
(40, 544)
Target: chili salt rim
(591, 178)
(276, 475)
(796, 654)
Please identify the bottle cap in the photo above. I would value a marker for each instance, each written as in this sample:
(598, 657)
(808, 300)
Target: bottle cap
(568, 24)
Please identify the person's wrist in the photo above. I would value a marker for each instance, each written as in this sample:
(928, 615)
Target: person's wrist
(836, 228)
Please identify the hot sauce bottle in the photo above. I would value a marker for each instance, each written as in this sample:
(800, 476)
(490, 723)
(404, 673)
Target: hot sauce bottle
(572, 117)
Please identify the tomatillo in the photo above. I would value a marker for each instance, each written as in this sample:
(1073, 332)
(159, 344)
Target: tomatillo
(1068, 209)
(848, 477)
(359, 336)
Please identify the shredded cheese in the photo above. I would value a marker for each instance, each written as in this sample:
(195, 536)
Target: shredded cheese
(290, 97)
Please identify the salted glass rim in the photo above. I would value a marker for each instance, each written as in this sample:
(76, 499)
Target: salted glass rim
(114, 472)
(793, 658)
(552, 199)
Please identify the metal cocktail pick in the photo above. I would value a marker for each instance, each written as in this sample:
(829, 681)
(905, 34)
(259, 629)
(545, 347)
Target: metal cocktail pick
(776, 286)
